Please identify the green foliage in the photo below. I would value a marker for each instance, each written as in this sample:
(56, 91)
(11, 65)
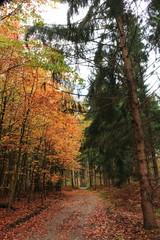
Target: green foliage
(154, 23)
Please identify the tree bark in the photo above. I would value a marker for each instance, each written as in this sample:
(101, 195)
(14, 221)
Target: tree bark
(153, 154)
(90, 174)
(72, 178)
(146, 192)
(17, 164)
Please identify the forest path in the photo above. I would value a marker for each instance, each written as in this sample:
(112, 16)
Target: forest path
(73, 220)
(82, 214)
(79, 215)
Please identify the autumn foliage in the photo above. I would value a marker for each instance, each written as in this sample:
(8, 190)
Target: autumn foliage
(39, 140)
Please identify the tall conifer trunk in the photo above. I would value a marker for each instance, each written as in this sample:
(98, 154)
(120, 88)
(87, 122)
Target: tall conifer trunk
(146, 194)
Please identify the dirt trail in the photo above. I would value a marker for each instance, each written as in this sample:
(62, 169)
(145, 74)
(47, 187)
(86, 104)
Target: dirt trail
(72, 220)
(82, 214)
(79, 215)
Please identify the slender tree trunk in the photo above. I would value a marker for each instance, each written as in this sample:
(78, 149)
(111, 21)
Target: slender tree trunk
(90, 175)
(95, 179)
(72, 179)
(31, 184)
(2, 115)
(65, 179)
(104, 174)
(146, 193)
(43, 193)
(100, 178)
(150, 142)
(153, 154)
(79, 182)
(17, 165)
(14, 182)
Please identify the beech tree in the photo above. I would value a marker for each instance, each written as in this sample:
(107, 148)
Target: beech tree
(38, 138)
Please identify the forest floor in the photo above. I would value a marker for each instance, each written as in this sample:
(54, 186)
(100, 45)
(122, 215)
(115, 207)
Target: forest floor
(78, 215)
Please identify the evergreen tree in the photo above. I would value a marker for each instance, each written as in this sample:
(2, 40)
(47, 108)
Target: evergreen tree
(154, 23)
(110, 131)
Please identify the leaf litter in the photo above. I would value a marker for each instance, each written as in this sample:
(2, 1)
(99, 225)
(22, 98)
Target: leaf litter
(79, 215)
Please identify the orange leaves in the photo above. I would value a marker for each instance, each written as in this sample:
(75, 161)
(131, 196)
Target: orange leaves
(41, 111)
(38, 138)
(62, 132)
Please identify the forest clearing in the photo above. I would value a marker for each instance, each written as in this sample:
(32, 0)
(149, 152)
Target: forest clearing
(80, 158)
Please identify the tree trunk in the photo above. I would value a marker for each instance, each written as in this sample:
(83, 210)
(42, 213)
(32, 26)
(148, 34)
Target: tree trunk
(17, 165)
(146, 193)
(72, 179)
(100, 178)
(95, 179)
(14, 182)
(90, 174)
(4, 104)
(153, 155)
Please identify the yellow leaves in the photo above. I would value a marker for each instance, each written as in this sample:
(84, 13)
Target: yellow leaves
(55, 178)
(61, 129)
(35, 122)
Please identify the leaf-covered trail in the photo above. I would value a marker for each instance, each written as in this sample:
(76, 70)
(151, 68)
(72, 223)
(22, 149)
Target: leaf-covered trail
(72, 221)
(78, 215)
(84, 215)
